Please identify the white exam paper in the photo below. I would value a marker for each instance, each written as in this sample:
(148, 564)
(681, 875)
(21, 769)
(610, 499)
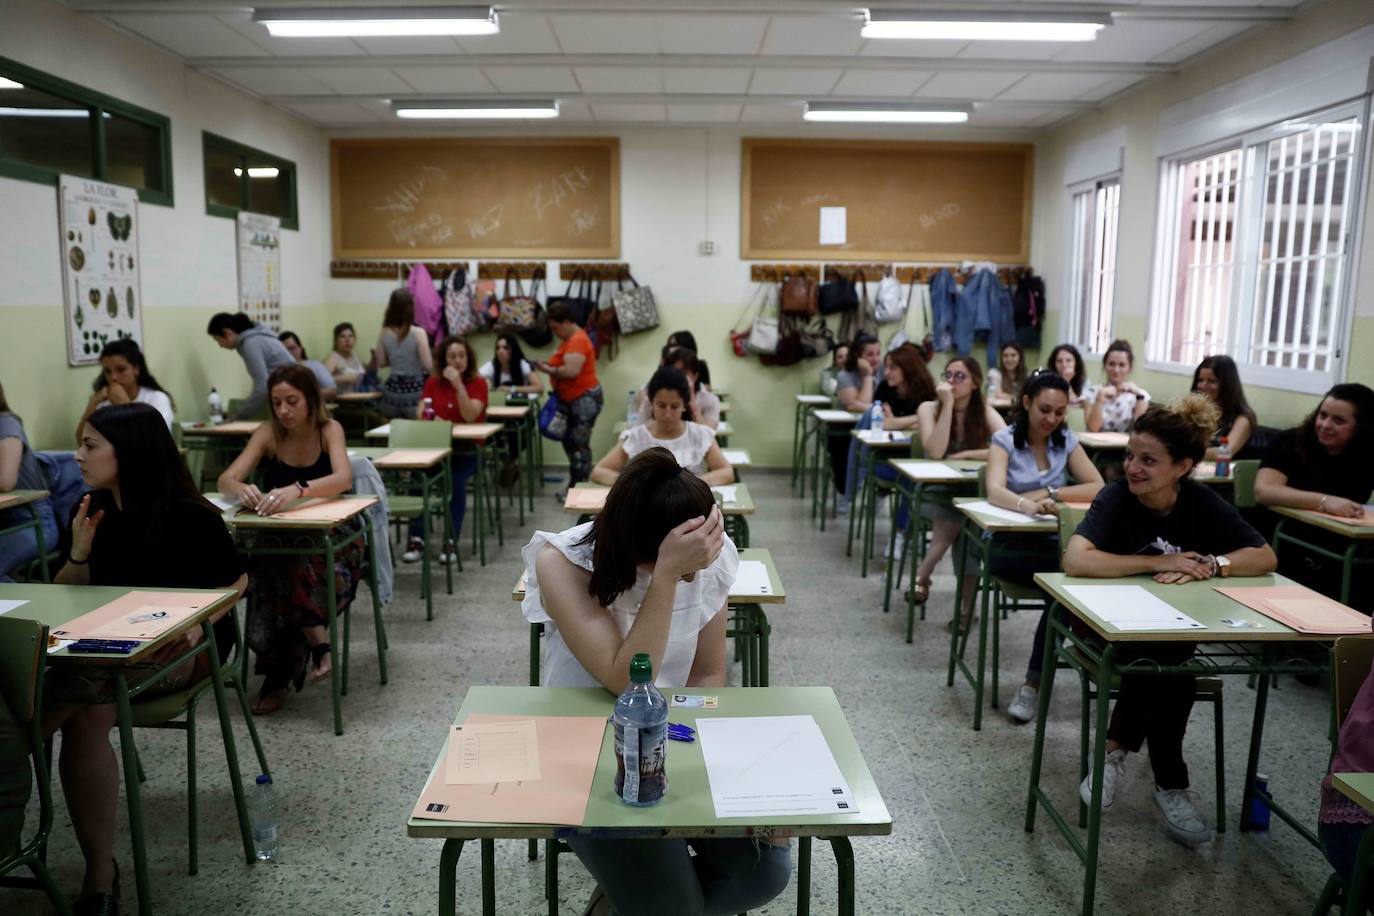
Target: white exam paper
(882, 435)
(728, 494)
(986, 508)
(751, 579)
(8, 605)
(833, 220)
(735, 455)
(933, 469)
(222, 504)
(770, 766)
(383, 430)
(1132, 607)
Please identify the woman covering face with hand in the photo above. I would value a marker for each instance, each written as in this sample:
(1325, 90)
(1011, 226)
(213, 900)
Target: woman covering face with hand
(125, 379)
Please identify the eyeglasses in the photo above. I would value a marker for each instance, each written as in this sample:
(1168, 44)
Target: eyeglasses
(956, 376)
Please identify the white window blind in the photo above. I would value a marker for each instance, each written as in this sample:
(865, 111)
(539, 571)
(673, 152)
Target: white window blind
(1253, 255)
(1092, 279)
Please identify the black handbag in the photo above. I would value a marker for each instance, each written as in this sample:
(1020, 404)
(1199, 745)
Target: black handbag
(838, 294)
(580, 301)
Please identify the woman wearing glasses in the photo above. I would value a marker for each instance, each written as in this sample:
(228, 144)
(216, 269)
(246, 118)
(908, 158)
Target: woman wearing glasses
(957, 424)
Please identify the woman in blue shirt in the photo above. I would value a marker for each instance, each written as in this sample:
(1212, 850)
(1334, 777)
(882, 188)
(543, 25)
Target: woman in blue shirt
(1028, 469)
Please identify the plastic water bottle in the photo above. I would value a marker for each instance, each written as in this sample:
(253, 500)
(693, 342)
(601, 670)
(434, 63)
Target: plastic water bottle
(641, 738)
(631, 410)
(263, 813)
(875, 415)
(428, 411)
(1224, 458)
(1259, 808)
(216, 408)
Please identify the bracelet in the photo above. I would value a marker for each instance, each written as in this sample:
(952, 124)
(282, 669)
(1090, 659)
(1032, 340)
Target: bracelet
(1320, 503)
(75, 562)
(1019, 501)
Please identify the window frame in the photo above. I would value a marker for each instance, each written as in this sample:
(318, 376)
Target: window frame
(1248, 228)
(100, 104)
(1074, 314)
(225, 145)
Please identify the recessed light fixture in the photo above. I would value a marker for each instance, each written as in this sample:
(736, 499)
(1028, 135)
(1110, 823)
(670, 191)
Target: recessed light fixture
(885, 113)
(476, 109)
(7, 83)
(45, 113)
(317, 22)
(971, 25)
(268, 171)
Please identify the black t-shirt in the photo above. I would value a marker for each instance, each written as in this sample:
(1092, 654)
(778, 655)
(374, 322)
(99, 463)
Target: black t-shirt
(190, 547)
(901, 407)
(1347, 475)
(1201, 522)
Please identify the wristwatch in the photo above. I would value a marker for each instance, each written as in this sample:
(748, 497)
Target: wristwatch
(302, 486)
(1221, 565)
(1054, 493)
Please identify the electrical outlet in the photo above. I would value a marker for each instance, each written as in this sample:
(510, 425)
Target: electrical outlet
(707, 247)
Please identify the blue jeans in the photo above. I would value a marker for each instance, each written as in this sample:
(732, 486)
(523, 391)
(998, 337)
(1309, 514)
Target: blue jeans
(20, 547)
(1340, 843)
(886, 472)
(464, 466)
(660, 878)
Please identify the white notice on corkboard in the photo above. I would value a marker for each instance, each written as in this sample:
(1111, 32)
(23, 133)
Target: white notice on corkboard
(260, 268)
(100, 266)
(833, 226)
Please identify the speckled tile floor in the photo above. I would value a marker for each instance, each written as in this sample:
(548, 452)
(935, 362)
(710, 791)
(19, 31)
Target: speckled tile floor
(957, 796)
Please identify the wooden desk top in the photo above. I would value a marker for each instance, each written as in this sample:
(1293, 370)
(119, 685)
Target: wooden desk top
(816, 399)
(401, 459)
(244, 428)
(516, 412)
(590, 499)
(462, 432)
(1327, 523)
(924, 470)
(341, 509)
(1103, 441)
(16, 498)
(357, 397)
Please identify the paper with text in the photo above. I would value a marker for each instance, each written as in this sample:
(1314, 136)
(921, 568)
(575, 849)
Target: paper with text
(934, 470)
(751, 579)
(1132, 607)
(486, 752)
(983, 507)
(771, 766)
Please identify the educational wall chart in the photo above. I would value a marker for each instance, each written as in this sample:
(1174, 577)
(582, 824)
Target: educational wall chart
(260, 268)
(100, 266)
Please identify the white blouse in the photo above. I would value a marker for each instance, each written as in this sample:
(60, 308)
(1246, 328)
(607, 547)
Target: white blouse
(695, 604)
(689, 449)
(1117, 414)
(158, 400)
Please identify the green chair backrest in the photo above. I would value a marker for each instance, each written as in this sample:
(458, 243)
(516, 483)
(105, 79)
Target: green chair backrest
(236, 403)
(1076, 419)
(917, 449)
(421, 434)
(1243, 473)
(983, 482)
(1068, 524)
(22, 649)
(1354, 656)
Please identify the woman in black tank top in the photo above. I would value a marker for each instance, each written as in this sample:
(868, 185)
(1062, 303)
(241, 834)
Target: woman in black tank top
(299, 454)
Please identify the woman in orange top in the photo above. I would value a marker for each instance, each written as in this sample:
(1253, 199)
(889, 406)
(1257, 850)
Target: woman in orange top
(572, 371)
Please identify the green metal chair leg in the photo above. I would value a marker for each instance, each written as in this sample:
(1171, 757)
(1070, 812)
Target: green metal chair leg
(336, 683)
(844, 864)
(133, 796)
(803, 876)
(192, 805)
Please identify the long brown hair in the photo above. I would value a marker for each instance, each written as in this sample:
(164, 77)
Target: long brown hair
(440, 362)
(917, 382)
(976, 433)
(1184, 427)
(303, 380)
(400, 312)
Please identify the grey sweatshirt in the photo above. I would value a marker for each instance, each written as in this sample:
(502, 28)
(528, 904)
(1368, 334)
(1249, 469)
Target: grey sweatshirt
(261, 352)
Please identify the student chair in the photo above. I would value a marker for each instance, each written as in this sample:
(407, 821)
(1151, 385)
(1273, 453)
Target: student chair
(162, 711)
(1208, 690)
(1353, 657)
(404, 507)
(1243, 474)
(23, 653)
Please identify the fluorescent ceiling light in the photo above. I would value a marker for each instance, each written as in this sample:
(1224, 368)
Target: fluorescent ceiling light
(7, 83)
(44, 113)
(969, 25)
(476, 110)
(269, 171)
(885, 113)
(378, 21)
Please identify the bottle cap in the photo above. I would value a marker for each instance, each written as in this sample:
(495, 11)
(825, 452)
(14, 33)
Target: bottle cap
(641, 668)
(264, 779)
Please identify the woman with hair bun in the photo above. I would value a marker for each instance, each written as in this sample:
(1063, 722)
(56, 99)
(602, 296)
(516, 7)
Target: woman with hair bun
(1156, 521)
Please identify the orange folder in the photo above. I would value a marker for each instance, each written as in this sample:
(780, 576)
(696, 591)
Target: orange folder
(568, 750)
(1300, 608)
(110, 619)
(326, 510)
(587, 499)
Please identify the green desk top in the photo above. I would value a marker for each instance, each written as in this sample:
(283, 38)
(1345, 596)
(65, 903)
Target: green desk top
(1199, 600)
(13, 499)
(55, 605)
(999, 525)
(1358, 787)
(686, 811)
(1307, 516)
(761, 554)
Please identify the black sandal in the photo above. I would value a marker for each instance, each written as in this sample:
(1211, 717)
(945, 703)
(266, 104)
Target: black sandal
(318, 652)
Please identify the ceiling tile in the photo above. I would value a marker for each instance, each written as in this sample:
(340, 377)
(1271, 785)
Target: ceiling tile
(1056, 86)
(1007, 115)
(967, 84)
(1202, 41)
(357, 80)
(892, 83)
(837, 34)
(621, 111)
(190, 35)
(445, 79)
(521, 33)
(605, 33)
(334, 112)
(619, 79)
(273, 80)
(1112, 86)
(1054, 116)
(789, 81)
(901, 47)
(710, 34)
(532, 79)
(776, 113)
(257, 33)
(1133, 40)
(414, 44)
(727, 114)
(1014, 50)
(703, 80)
(573, 110)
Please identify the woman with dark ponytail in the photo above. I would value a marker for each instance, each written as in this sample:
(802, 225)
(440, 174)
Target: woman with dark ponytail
(650, 574)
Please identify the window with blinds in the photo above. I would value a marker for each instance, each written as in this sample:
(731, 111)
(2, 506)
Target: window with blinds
(1095, 207)
(1254, 249)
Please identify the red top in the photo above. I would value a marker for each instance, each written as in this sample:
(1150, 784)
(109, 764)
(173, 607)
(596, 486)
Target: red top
(569, 389)
(445, 398)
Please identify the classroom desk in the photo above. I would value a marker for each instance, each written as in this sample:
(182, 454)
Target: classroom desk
(587, 499)
(354, 409)
(1103, 447)
(1359, 788)
(750, 625)
(916, 479)
(873, 444)
(831, 423)
(56, 605)
(1220, 650)
(26, 499)
(219, 444)
(432, 465)
(800, 423)
(306, 538)
(522, 421)
(462, 432)
(971, 540)
(739, 458)
(358, 397)
(1356, 537)
(687, 810)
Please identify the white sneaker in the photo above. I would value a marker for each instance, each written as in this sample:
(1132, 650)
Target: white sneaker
(414, 551)
(841, 505)
(1113, 777)
(448, 554)
(1022, 708)
(898, 545)
(1185, 825)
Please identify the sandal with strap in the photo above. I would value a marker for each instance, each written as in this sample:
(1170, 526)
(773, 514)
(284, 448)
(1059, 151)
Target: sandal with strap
(919, 592)
(317, 654)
